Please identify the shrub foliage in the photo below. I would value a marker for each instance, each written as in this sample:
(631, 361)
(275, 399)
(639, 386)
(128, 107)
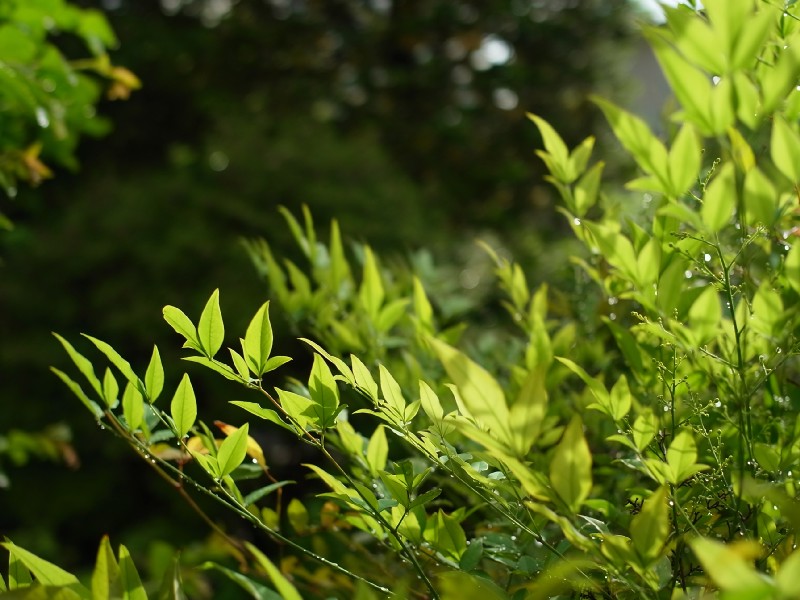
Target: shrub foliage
(649, 449)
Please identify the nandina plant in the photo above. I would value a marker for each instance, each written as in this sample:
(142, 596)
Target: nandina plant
(651, 453)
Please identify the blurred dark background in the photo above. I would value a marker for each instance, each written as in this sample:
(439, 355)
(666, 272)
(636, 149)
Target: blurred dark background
(405, 119)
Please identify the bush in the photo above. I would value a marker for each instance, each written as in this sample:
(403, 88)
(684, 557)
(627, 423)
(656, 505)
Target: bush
(645, 447)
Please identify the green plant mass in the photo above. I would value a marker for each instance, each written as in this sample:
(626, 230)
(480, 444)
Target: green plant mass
(643, 442)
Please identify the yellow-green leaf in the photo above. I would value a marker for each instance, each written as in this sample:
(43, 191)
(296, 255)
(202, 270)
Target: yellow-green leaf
(258, 340)
(650, 528)
(719, 200)
(210, 329)
(571, 467)
(184, 407)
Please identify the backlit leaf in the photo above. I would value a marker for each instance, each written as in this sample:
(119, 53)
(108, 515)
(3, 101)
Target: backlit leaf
(528, 411)
(324, 392)
(116, 360)
(285, 589)
(650, 528)
(154, 377)
(728, 569)
(210, 329)
(571, 467)
(232, 451)
(480, 392)
(785, 148)
(83, 364)
(258, 340)
(45, 572)
(392, 394)
(132, 588)
(719, 200)
(183, 408)
(76, 389)
(132, 407)
(183, 325)
(106, 577)
(371, 292)
(377, 451)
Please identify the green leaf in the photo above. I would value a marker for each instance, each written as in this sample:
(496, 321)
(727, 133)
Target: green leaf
(685, 158)
(184, 407)
(422, 306)
(123, 365)
(398, 488)
(76, 389)
(210, 328)
(18, 574)
(264, 413)
(256, 590)
(586, 190)
(258, 341)
(446, 535)
(596, 387)
(430, 402)
(324, 392)
(285, 589)
(46, 573)
(650, 528)
(760, 198)
(171, 585)
(787, 581)
(580, 155)
(719, 200)
(371, 292)
(390, 314)
(777, 81)
(557, 152)
(644, 429)
(300, 408)
(392, 394)
(339, 267)
(363, 378)
(154, 377)
(528, 412)
(726, 567)
(619, 399)
(214, 365)
(791, 267)
(297, 514)
(634, 134)
(458, 585)
(83, 364)
(682, 458)
(132, 588)
(785, 148)
(106, 577)
(183, 325)
(110, 389)
(337, 362)
(132, 407)
(276, 361)
(258, 494)
(571, 467)
(240, 364)
(482, 395)
(232, 451)
(377, 451)
(331, 481)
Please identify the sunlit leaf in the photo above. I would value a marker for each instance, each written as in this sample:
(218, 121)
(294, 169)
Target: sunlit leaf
(183, 408)
(132, 588)
(286, 590)
(258, 341)
(232, 451)
(210, 329)
(377, 451)
(650, 528)
(106, 577)
(571, 467)
(154, 377)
